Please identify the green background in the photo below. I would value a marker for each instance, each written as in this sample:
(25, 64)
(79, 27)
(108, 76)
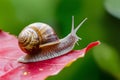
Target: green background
(103, 24)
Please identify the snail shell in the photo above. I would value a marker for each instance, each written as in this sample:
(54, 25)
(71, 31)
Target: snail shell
(40, 42)
(35, 36)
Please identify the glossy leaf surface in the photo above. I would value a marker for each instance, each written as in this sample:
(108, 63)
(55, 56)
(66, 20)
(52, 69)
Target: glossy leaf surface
(10, 69)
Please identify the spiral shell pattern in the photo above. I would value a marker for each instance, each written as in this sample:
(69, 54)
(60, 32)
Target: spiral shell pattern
(35, 35)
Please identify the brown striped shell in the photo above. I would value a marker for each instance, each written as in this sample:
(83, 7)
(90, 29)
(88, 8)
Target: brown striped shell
(35, 36)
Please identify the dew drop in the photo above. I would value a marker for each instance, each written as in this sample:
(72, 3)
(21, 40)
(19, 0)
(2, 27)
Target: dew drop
(25, 73)
(40, 69)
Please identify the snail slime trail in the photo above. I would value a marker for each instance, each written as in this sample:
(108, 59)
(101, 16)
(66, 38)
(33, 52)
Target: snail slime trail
(40, 42)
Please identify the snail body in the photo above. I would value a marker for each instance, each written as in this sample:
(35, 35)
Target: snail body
(40, 42)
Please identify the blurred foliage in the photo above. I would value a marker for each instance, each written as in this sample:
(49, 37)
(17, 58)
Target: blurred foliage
(106, 56)
(113, 7)
(16, 14)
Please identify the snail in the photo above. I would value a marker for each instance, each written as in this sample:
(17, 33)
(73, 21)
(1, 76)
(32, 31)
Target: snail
(40, 42)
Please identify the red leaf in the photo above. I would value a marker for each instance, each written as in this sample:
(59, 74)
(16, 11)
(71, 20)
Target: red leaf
(10, 69)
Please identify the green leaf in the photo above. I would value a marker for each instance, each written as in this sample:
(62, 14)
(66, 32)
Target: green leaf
(108, 59)
(113, 7)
